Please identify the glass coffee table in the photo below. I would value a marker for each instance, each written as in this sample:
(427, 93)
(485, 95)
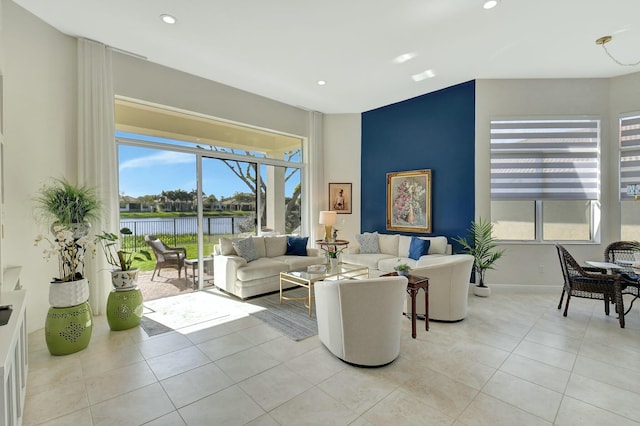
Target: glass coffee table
(304, 278)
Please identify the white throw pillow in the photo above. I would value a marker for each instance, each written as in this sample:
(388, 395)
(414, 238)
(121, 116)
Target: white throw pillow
(276, 246)
(404, 242)
(368, 242)
(388, 244)
(438, 244)
(226, 247)
(258, 242)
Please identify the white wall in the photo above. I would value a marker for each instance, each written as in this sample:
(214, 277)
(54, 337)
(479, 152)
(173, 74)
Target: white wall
(342, 136)
(603, 98)
(40, 138)
(140, 79)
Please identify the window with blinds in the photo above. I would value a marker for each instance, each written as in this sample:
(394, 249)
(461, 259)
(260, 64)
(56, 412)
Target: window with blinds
(545, 179)
(629, 154)
(629, 139)
(545, 159)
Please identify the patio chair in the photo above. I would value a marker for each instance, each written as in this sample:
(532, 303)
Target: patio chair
(625, 253)
(166, 257)
(589, 283)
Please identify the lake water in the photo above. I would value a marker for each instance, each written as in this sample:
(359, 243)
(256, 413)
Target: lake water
(183, 225)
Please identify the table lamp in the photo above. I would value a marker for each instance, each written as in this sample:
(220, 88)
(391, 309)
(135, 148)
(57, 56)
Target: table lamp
(328, 219)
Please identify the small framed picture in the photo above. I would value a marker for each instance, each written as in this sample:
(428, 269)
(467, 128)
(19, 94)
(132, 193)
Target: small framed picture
(340, 198)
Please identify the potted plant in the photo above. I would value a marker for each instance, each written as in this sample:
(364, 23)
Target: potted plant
(402, 269)
(482, 246)
(69, 209)
(124, 277)
(68, 205)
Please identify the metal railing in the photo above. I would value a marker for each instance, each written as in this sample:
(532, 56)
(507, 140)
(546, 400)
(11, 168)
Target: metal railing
(178, 230)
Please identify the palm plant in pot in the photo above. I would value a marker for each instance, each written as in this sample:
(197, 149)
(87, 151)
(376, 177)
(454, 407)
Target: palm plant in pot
(124, 277)
(484, 249)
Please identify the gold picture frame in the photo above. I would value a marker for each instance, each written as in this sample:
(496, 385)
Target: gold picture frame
(409, 201)
(340, 198)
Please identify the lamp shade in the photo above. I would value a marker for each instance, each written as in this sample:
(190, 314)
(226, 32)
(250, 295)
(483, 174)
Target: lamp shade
(328, 218)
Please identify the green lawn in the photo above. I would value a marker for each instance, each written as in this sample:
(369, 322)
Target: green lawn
(192, 252)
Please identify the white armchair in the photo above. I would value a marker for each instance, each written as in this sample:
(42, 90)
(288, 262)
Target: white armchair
(448, 288)
(360, 321)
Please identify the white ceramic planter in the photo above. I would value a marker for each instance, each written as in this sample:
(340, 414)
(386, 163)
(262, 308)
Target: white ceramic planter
(124, 280)
(481, 291)
(69, 293)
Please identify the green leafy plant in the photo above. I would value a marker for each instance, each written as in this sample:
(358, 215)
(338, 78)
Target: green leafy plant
(482, 246)
(402, 268)
(64, 203)
(122, 259)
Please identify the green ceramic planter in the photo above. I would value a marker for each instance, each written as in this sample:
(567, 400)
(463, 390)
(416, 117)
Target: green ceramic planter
(124, 309)
(68, 330)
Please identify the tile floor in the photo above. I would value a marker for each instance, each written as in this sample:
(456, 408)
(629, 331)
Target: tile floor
(514, 361)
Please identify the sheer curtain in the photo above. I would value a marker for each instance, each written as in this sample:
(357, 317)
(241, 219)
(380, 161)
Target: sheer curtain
(315, 150)
(97, 163)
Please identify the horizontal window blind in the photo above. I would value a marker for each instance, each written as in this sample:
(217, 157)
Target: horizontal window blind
(629, 154)
(545, 159)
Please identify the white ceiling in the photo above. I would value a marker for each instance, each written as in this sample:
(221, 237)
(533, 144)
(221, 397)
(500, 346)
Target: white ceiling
(280, 48)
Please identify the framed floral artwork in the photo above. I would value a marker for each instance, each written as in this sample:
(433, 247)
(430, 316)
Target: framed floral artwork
(340, 198)
(409, 201)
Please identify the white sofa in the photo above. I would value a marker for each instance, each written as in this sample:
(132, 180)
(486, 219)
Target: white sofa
(360, 321)
(242, 278)
(393, 250)
(448, 288)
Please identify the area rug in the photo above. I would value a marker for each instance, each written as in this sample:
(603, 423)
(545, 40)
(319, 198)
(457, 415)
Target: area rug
(291, 318)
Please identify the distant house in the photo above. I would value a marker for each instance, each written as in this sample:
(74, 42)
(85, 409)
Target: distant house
(132, 204)
(234, 205)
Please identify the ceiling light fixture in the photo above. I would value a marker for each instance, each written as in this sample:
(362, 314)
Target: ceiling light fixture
(321, 82)
(401, 59)
(168, 19)
(490, 4)
(423, 75)
(602, 41)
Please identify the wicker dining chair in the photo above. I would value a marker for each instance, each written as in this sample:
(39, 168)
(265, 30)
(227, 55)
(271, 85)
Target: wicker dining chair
(624, 253)
(589, 283)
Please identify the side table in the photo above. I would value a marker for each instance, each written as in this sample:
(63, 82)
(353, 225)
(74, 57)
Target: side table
(124, 309)
(416, 283)
(207, 268)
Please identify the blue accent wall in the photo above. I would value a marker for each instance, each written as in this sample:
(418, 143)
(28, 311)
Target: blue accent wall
(435, 131)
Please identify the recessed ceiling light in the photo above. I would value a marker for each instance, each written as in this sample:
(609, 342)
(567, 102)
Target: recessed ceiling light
(490, 4)
(321, 82)
(168, 19)
(404, 57)
(423, 75)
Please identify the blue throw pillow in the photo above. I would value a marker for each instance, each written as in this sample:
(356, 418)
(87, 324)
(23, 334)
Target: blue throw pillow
(297, 246)
(418, 248)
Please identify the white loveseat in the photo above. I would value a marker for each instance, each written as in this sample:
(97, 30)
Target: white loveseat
(393, 249)
(242, 278)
